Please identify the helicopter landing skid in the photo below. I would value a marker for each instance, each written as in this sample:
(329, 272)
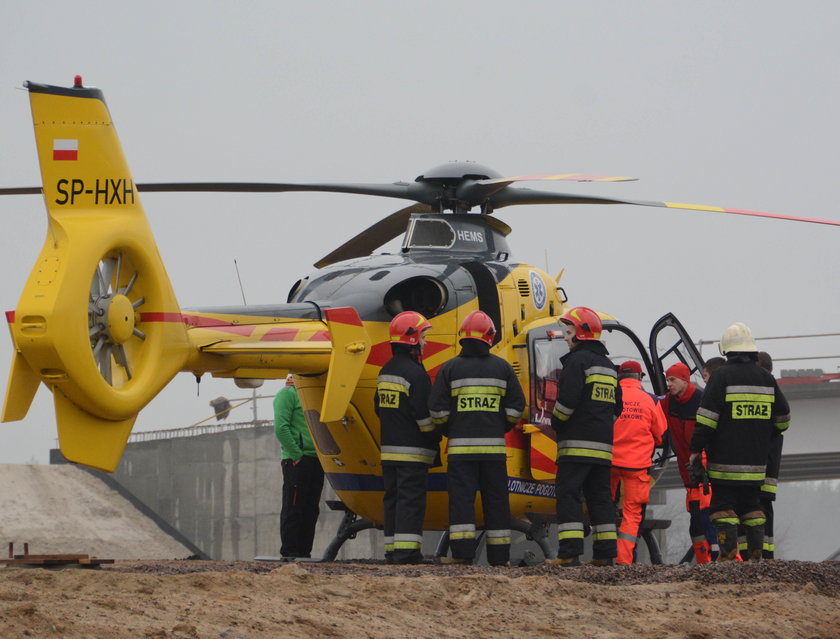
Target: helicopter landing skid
(351, 525)
(535, 530)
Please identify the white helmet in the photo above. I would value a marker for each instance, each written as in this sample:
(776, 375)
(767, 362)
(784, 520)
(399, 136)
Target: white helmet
(737, 339)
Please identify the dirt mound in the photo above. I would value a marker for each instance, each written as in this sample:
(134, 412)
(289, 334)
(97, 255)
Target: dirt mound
(62, 509)
(237, 600)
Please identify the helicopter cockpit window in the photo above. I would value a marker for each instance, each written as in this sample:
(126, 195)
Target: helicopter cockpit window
(547, 367)
(424, 295)
(431, 234)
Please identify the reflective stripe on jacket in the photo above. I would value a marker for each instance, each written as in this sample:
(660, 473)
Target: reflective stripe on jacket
(402, 404)
(588, 400)
(476, 399)
(741, 411)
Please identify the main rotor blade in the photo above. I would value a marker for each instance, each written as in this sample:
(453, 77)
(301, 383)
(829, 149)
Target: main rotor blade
(403, 190)
(21, 190)
(512, 196)
(417, 191)
(374, 236)
(568, 177)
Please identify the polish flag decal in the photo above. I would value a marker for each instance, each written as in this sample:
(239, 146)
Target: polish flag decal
(66, 150)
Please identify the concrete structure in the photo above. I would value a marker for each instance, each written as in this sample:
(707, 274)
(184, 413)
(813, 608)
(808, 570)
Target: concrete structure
(220, 487)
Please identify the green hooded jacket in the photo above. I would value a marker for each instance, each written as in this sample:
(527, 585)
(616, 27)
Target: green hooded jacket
(290, 425)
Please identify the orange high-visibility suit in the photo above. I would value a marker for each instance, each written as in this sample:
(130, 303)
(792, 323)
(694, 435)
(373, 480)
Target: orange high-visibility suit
(636, 432)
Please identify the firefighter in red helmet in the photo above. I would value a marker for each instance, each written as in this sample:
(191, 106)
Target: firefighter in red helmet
(476, 399)
(409, 443)
(588, 402)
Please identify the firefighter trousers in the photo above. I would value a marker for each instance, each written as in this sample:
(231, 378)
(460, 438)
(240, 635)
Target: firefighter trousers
(577, 481)
(302, 485)
(464, 478)
(734, 503)
(631, 491)
(405, 508)
(769, 546)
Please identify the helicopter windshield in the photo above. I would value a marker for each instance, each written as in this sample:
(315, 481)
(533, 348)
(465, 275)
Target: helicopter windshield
(431, 234)
(461, 233)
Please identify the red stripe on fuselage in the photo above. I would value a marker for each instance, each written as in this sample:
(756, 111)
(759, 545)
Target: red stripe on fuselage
(280, 335)
(10, 317)
(163, 317)
(346, 315)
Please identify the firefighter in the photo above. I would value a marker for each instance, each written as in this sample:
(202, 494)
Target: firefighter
(476, 399)
(409, 443)
(680, 407)
(741, 412)
(588, 402)
(710, 366)
(636, 432)
(768, 488)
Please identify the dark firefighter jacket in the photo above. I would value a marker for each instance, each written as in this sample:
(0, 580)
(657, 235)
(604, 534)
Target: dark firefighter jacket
(742, 409)
(476, 399)
(681, 413)
(588, 400)
(402, 404)
(774, 461)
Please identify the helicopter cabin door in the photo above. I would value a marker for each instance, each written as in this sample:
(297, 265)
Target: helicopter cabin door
(669, 344)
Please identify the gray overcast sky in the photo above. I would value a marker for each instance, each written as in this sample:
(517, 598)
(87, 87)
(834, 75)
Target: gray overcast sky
(722, 103)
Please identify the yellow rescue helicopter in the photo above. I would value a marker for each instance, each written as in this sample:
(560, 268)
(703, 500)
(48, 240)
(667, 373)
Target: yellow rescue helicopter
(99, 324)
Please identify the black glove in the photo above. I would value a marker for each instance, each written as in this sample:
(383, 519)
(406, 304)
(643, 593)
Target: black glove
(697, 474)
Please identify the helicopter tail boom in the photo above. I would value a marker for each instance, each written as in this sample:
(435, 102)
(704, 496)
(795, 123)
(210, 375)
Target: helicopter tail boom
(337, 346)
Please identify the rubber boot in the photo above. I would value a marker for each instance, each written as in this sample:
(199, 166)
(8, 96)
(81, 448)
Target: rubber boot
(727, 535)
(702, 552)
(755, 542)
(602, 562)
(565, 562)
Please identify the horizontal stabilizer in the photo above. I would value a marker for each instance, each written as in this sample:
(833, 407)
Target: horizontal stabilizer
(20, 390)
(89, 440)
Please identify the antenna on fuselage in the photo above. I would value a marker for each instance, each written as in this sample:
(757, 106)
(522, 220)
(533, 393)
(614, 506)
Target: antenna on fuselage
(241, 288)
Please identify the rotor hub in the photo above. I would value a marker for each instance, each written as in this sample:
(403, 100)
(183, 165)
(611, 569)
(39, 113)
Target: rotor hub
(120, 319)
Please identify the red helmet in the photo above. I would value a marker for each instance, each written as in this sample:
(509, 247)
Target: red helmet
(406, 328)
(478, 325)
(586, 322)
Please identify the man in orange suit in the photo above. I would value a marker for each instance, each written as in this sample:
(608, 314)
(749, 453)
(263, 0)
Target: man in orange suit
(637, 431)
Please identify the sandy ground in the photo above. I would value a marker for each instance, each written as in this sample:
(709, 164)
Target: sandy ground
(236, 600)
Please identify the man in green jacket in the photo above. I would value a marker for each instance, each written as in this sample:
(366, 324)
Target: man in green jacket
(303, 477)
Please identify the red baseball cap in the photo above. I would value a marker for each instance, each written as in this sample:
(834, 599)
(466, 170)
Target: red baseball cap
(680, 371)
(631, 367)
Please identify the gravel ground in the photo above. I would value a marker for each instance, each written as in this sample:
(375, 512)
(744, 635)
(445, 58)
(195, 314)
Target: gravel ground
(825, 576)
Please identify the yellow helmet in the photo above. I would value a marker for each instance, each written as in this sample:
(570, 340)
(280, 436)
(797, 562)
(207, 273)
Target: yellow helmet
(737, 339)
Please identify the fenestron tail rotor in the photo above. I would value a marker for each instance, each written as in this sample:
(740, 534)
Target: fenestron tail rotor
(112, 312)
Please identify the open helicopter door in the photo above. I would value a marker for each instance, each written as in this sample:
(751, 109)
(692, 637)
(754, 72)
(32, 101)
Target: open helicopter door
(670, 343)
(668, 330)
(623, 345)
